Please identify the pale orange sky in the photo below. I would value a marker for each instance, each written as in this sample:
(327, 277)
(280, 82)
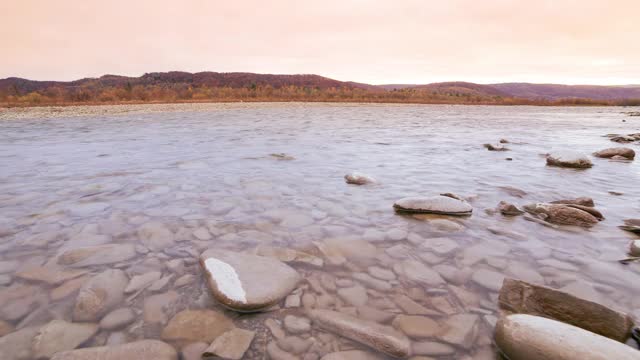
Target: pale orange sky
(401, 41)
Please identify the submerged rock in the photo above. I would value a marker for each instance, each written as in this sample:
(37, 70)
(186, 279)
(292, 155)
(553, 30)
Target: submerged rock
(527, 337)
(433, 205)
(99, 295)
(562, 214)
(569, 159)
(139, 350)
(97, 255)
(59, 335)
(382, 338)
(356, 178)
(625, 152)
(245, 282)
(155, 236)
(230, 345)
(352, 355)
(491, 147)
(17, 345)
(583, 201)
(189, 326)
(632, 225)
(521, 297)
(509, 209)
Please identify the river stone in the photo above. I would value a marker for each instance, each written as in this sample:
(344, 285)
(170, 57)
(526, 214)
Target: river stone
(190, 326)
(356, 178)
(355, 296)
(569, 159)
(460, 330)
(17, 345)
(583, 201)
(379, 337)
(142, 281)
(59, 335)
(634, 248)
(419, 273)
(521, 297)
(230, 345)
(247, 283)
(562, 214)
(51, 275)
(416, 327)
(117, 318)
(488, 279)
(527, 337)
(97, 255)
(296, 324)
(433, 205)
(625, 152)
(155, 236)
(139, 350)
(352, 355)
(99, 295)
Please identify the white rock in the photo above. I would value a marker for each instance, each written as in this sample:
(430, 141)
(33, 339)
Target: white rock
(434, 205)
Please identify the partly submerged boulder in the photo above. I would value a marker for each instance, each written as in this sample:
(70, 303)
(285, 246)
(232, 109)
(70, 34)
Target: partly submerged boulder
(245, 282)
(583, 201)
(509, 209)
(569, 159)
(625, 152)
(433, 205)
(528, 337)
(357, 178)
(521, 297)
(562, 214)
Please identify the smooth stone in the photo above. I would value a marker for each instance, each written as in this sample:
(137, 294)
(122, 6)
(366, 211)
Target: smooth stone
(296, 324)
(432, 348)
(97, 255)
(17, 345)
(342, 249)
(624, 152)
(276, 353)
(295, 345)
(373, 235)
(488, 279)
(99, 295)
(434, 205)
(139, 282)
(562, 214)
(396, 234)
(190, 326)
(419, 273)
(117, 319)
(289, 255)
(59, 335)
(372, 282)
(583, 201)
(521, 297)
(634, 248)
(139, 350)
(193, 351)
(357, 178)
(155, 236)
(379, 337)
(184, 280)
(444, 225)
(153, 307)
(352, 355)
(411, 307)
(161, 284)
(51, 275)
(441, 245)
(373, 314)
(68, 288)
(381, 273)
(355, 296)
(5, 328)
(416, 327)
(245, 282)
(296, 220)
(230, 345)
(528, 337)
(460, 330)
(8, 266)
(569, 159)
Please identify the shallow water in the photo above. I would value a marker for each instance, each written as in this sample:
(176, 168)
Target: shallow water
(74, 174)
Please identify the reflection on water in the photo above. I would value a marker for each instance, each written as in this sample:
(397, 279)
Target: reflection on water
(165, 185)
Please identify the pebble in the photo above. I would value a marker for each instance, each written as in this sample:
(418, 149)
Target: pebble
(433, 205)
(296, 324)
(117, 319)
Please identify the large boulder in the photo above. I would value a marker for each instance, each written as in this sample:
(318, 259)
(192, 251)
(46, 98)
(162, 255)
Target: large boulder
(433, 205)
(521, 297)
(563, 214)
(139, 350)
(100, 295)
(625, 152)
(527, 337)
(245, 282)
(379, 337)
(569, 159)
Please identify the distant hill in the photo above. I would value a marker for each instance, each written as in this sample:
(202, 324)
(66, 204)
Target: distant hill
(239, 86)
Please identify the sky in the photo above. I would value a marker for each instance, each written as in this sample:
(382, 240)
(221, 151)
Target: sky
(375, 41)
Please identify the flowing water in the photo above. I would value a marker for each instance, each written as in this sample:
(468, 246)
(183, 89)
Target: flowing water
(91, 176)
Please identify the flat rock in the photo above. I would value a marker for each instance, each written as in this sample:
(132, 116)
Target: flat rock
(155, 236)
(625, 152)
(357, 178)
(17, 345)
(488, 279)
(355, 296)
(569, 159)
(521, 297)
(583, 201)
(460, 330)
(51, 275)
(97, 255)
(289, 255)
(190, 326)
(117, 318)
(527, 337)
(230, 345)
(416, 327)
(139, 350)
(245, 282)
(59, 335)
(379, 337)
(433, 205)
(139, 282)
(99, 295)
(417, 272)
